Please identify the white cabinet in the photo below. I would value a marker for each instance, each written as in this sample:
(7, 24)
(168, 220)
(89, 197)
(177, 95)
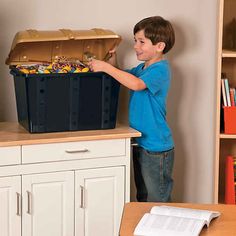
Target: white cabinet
(10, 206)
(45, 208)
(10, 155)
(64, 188)
(52, 203)
(99, 200)
(48, 204)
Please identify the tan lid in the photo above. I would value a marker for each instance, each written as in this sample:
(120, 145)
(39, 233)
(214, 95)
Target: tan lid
(33, 46)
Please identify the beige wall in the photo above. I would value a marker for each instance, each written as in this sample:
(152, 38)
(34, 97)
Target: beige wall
(191, 100)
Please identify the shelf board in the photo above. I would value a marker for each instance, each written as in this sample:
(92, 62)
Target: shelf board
(228, 53)
(227, 136)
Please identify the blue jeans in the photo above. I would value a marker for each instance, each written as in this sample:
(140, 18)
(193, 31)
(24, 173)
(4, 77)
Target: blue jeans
(152, 174)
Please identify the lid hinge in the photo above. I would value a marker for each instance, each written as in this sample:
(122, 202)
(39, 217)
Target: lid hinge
(68, 33)
(33, 33)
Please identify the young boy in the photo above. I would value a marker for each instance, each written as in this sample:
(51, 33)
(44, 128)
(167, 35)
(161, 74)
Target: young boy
(149, 83)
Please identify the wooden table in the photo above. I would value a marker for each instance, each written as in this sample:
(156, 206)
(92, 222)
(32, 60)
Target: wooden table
(225, 225)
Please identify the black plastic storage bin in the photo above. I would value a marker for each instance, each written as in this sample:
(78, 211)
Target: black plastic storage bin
(66, 102)
(52, 102)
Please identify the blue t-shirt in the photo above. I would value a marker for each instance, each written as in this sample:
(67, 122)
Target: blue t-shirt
(147, 108)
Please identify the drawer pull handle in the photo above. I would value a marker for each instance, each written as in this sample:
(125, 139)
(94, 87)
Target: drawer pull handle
(77, 151)
(81, 196)
(18, 204)
(29, 205)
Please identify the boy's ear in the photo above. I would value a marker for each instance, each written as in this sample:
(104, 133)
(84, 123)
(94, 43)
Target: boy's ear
(160, 46)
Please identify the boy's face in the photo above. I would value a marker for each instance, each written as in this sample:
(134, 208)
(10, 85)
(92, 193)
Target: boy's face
(145, 50)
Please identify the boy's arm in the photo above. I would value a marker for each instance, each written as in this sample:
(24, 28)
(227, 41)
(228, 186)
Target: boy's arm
(125, 78)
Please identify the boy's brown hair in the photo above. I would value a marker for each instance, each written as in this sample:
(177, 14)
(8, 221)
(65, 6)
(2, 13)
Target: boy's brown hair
(157, 29)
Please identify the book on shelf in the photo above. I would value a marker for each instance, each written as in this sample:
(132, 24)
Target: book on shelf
(174, 221)
(223, 93)
(232, 96)
(227, 92)
(235, 96)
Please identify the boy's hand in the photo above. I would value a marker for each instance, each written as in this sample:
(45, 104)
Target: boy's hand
(97, 65)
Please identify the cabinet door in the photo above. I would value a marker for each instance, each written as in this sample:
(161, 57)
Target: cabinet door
(99, 201)
(10, 206)
(48, 204)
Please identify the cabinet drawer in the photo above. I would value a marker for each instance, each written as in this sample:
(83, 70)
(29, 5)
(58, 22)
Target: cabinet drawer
(73, 150)
(10, 155)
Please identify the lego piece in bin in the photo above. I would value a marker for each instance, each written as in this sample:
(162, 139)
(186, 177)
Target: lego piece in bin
(86, 69)
(77, 70)
(41, 69)
(24, 70)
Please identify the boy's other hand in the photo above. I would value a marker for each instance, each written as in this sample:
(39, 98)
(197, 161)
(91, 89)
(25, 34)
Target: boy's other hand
(112, 58)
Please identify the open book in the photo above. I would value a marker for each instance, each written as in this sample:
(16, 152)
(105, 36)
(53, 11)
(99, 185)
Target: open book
(174, 221)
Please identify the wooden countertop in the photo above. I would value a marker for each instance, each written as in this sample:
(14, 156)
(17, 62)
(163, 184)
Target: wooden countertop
(225, 224)
(12, 134)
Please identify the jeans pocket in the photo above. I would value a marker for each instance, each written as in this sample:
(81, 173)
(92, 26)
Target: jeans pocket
(153, 154)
